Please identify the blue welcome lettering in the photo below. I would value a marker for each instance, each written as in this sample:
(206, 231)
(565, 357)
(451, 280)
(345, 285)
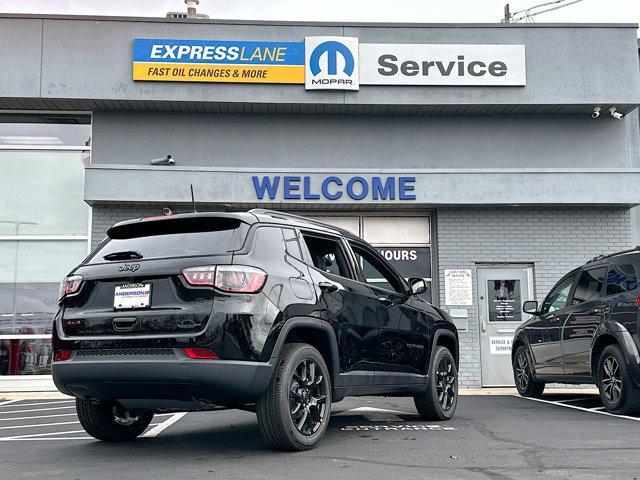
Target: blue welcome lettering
(266, 184)
(404, 187)
(382, 191)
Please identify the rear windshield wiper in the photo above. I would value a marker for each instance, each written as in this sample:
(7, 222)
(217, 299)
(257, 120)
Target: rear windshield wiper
(126, 255)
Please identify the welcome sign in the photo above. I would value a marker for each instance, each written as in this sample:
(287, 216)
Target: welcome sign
(218, 61)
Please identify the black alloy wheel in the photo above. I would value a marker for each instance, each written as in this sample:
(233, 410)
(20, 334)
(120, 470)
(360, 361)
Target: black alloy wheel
(439, 400)
(522, 371)
(526, 384)
(446, 384)
(611, 380)
(619, 392)
(294, 411)
(307, 397)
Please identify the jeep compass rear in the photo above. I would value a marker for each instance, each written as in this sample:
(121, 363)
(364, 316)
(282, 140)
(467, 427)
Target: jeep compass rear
(260, 311)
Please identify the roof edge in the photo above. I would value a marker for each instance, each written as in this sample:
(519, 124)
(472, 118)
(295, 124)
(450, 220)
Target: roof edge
(38, 16)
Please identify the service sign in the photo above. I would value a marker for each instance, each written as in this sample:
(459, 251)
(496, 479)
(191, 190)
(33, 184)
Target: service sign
(328, 63)
(218, 61)
(411, 64)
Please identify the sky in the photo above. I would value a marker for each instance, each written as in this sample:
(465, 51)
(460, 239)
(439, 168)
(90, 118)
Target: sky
(421, 11)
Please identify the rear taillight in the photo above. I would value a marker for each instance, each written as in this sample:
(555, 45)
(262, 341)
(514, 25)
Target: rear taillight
(199, 275)
(69, 286)
(62, 355)
(201, 353)
(638, 302)
(227, 278)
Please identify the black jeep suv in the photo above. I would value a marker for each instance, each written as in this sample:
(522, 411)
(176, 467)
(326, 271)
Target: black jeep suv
(586, 331)
(261, 310)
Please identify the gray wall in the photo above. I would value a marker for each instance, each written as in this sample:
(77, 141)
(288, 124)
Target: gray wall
(359, 142)
(554, 240)
(91, 59)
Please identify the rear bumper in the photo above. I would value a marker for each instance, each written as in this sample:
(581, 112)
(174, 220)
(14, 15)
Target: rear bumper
(221, 382)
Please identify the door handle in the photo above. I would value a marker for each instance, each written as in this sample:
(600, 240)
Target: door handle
(387, 302)
(328, 287)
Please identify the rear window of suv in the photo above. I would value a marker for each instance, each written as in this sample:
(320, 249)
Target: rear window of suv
(621, 278)
(167, 238)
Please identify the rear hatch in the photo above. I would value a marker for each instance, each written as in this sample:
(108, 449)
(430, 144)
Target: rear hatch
(132, 285)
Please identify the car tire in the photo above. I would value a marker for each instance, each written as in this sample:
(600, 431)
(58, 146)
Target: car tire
(526, 385)
(618, 391)
(294, 411)
(110, 423)
(440, 400)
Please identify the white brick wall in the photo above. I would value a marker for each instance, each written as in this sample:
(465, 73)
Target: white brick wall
(555, 240)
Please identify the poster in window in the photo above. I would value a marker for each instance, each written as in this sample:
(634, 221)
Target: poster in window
(504, 300)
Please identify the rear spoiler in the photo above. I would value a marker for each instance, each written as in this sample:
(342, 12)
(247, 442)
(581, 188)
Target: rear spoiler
(186, 223)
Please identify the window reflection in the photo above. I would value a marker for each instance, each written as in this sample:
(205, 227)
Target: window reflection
(25, 356)
(42, 193)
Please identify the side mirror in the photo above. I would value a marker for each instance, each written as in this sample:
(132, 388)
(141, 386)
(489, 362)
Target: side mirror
(530, 307)
(417, 286)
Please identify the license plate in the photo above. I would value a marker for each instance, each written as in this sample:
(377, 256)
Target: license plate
(133, 295)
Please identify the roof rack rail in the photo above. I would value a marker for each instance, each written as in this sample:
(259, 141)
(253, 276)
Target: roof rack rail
(285, 215)
(621, 252)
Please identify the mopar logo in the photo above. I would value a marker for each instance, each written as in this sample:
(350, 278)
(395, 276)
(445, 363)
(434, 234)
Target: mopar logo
(331, 63)
(332, 48)
(128, 267)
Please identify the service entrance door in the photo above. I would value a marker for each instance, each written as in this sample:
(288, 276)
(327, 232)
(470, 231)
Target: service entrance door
(501, 292)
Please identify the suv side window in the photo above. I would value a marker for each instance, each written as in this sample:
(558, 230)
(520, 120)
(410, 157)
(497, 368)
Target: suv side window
(327, 255)
(559, 296)
(291, 243)
(621, 278)
(375, 273)
(590, 286)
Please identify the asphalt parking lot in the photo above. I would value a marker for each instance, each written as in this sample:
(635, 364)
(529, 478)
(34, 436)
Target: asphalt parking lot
(503, 437)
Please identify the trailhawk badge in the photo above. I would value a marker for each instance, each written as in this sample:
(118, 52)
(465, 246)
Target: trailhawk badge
(331, 63)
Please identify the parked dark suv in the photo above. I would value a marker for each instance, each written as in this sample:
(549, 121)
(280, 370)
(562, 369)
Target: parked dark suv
(261, 310)
(586, 331)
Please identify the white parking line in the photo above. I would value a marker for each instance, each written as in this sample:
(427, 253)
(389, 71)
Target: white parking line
(38, 436)
(40, 425)
(579, 408)
(9, 401)
(37, 409)
(154, 432)
(38, 403)
(10, 419)
(37, 416)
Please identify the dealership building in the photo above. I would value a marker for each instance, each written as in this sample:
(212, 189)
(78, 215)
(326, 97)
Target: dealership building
(467, 154)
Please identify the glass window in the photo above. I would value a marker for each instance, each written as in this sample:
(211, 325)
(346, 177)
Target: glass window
(291, 243)
(505, 300)
(327, 255)
(375, 272)
(42, 193)
(559, 296)
(25, 356)
(167, 245)
(30, 272)
(26, 134)
(590, 286)
(621, 278)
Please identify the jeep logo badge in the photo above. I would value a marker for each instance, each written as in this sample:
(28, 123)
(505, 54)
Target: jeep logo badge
(128, 267)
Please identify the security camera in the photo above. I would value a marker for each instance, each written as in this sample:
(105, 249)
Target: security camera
(616, 115)
(596, 112)
(163, 161)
